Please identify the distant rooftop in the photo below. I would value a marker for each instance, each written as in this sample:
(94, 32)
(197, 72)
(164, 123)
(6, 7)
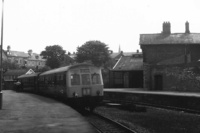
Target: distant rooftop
(113, 55)
(18, 53)
(15, 72)
(175, 38)
(34, 56)
(129, 63)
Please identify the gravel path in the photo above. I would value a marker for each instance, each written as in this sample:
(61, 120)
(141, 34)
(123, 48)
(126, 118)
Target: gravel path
(155, 120)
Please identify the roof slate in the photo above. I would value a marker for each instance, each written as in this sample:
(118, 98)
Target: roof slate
(129, 63)
(25, 55)
(175, 38)
(15, 72)
(18, 53)
(113, 55)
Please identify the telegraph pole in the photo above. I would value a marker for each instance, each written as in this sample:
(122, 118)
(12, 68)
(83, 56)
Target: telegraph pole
(1, 75)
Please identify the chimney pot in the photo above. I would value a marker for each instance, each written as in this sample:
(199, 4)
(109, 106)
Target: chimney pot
(187, 29)
(166, 28)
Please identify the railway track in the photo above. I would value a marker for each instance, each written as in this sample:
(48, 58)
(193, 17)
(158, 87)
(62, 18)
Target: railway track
(169, 107)
(106, 125)
(156, 106)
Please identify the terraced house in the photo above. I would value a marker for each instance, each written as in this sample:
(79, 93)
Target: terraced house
(29, 60)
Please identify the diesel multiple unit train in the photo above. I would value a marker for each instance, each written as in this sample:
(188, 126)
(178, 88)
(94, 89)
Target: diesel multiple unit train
(79, 84)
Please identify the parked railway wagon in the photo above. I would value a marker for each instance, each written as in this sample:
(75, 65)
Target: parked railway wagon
(79, 84)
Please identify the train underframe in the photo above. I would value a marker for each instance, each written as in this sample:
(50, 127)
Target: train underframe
(87, 102)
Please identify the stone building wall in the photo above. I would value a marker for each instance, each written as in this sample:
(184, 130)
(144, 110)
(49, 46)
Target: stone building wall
(171, 82)
(156, 53)
(147, 76)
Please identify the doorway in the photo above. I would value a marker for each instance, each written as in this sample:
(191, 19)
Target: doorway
(158, 82)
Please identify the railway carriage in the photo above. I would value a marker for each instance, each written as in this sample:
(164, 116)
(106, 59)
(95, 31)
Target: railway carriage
(80, 84)
(29, 82)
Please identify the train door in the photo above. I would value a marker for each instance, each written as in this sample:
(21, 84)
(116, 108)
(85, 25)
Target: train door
(65, 84)
(158, 82)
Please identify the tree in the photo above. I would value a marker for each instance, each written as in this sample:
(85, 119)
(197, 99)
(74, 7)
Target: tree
(185, 77)
(69, 53)
(6, 64)
(93, 51)
(43, 69)
(54, 55)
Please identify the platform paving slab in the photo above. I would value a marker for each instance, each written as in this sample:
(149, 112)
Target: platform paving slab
(30, 113)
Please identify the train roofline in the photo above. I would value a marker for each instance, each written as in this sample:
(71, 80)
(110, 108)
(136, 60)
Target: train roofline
(64, 69)
(56, 70)
(28, 75)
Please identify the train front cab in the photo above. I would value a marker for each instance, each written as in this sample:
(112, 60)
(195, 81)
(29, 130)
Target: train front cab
(85, 86)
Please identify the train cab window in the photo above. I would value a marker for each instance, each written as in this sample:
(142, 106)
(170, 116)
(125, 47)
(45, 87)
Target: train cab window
(96, 78)
(85, 79)
(75, 79)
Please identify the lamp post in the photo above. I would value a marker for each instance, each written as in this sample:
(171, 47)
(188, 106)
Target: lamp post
(1, 75)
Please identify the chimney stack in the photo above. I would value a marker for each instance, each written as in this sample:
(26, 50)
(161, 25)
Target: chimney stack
(166, 28)
(187, 29)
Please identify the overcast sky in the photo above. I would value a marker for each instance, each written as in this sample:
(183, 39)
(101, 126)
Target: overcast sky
(35, 24)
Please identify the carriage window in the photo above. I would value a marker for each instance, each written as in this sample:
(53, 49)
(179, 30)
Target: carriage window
(95, 78)
(85, 79)
(61, 77)
(75, 79)
(58, 77)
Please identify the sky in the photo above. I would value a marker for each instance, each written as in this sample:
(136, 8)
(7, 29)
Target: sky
(35, 24)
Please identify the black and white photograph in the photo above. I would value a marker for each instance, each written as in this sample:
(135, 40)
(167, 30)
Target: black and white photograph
(99, 66)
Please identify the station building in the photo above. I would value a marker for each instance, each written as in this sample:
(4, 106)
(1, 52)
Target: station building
(168, 51)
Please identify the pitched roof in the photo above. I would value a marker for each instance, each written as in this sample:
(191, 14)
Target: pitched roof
(73, 56)
(18, 53)
(33, 57)
(28, 75)
(25, 55)
(175, 38)
(129, 63)
(113, 55)
(131, 53)
(16, 72)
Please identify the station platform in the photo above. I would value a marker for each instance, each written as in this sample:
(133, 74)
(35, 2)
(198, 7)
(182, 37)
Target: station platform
(143, 91)
(30, 113)
(188, 101)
